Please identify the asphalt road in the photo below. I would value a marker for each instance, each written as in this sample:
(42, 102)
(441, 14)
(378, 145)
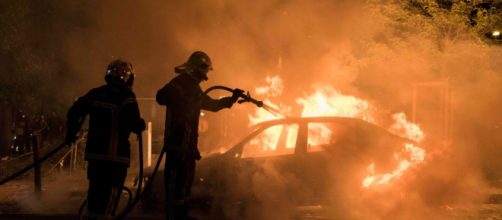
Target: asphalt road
(61, 199)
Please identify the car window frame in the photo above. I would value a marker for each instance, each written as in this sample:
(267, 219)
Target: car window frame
(302, 136)
(237, 151)
(335, 123)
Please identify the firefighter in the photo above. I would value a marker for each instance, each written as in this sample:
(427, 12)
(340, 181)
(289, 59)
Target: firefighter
(184, 100)
(113, 115)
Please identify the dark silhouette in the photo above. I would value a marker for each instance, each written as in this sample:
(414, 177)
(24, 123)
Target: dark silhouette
(184, 100)
(114, 114)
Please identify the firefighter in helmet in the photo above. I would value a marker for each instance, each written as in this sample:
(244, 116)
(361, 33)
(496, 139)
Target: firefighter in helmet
(184, 100)
(113, 115)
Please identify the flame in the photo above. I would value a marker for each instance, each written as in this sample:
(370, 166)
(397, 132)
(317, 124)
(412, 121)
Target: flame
(273, 88)
(407, 129)
(327, 101)
(269, 138)
(416, 155)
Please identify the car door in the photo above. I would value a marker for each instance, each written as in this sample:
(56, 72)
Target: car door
(266, 162)
(327, 159)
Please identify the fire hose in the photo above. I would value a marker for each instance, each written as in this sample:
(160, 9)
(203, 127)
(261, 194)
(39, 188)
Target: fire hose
(130, 203)
(245, 98)
(36, 163)
(139, 193)
(61, 146)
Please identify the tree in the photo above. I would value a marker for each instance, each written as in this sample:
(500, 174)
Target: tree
(32, 62)
(460, 18)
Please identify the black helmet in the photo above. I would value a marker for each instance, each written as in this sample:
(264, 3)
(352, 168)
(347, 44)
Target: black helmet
(121, 72)
(198, 64)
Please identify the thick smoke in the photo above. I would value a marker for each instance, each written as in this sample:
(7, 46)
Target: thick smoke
(374, 50)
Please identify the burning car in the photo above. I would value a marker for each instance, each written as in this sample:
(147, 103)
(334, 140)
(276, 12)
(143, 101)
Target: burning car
(291, 163)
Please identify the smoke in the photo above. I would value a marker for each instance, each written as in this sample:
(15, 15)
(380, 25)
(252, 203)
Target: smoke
(375, 50)
(57, 195)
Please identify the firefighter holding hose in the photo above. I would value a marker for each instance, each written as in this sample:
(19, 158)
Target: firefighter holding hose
(113, 115)
(184, 100)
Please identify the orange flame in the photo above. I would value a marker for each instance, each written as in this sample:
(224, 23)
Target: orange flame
(416, 155)
(327, 101)
(269, 137)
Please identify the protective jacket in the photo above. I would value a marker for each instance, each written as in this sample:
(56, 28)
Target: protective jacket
(184, 100)
(114, 114)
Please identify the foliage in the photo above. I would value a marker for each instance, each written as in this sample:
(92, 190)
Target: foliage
(446, 21)
(32, 62)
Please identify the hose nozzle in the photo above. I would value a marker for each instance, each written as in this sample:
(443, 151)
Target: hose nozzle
(247, 98)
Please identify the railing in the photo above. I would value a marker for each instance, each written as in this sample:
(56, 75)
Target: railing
(72, 153)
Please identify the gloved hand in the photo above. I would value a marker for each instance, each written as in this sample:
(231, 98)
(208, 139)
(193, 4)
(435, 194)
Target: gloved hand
(140, 126)
(237, 93)
(227, 101)
(197, 155)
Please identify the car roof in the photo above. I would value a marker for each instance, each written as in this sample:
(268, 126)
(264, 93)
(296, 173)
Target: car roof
(354, 122)
(365, 131)
(309, 120)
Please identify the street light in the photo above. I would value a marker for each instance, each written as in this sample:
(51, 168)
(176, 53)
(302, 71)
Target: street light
(494, 35)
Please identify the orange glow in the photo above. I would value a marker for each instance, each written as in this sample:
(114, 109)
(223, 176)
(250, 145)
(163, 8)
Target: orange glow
(327, 101)
(270, 137)
(416, 155)
(402, 127)
(273, 88)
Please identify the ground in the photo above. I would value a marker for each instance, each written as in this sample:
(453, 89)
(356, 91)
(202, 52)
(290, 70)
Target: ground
(18, 201)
